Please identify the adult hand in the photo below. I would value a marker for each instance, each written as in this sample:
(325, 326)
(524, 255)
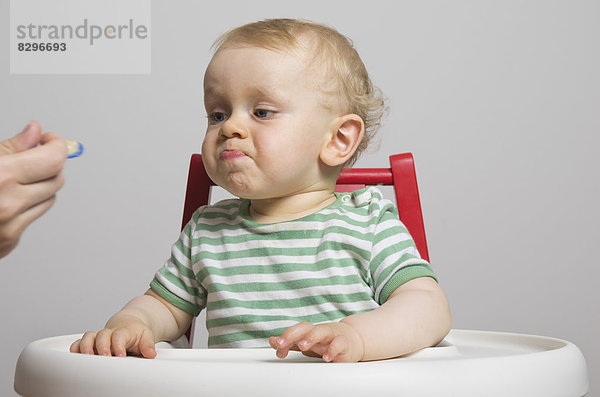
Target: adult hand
(30, 176)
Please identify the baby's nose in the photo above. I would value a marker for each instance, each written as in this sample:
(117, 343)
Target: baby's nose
(234, 127)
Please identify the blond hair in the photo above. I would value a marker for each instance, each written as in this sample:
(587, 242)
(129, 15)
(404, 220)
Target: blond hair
(346, 74)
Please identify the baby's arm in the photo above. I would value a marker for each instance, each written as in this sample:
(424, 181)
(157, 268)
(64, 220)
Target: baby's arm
(145, 320)
(416, 315)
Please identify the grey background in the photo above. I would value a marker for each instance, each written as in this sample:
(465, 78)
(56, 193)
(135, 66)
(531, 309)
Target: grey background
(498, 100)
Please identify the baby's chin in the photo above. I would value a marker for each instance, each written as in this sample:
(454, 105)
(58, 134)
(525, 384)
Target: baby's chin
(249, 193)
(246, 194)
(240, 189)
(247, 186)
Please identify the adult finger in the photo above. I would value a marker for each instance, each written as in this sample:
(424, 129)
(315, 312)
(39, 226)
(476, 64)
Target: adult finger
(26, 139)
(7, 245)
(22, 198)
(16, 198)
(41, 162)
(13, 228)
(34, 193)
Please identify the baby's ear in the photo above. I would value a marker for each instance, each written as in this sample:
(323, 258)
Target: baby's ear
(346, 134)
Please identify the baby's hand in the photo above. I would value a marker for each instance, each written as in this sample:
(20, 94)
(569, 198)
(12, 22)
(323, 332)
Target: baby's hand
(337, 342)
(133, 337)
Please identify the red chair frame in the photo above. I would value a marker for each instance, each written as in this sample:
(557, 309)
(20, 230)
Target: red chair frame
(401, 175)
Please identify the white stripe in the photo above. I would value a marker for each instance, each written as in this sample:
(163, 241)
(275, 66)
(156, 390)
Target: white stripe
(257, 296)
(273, 260)
(284, 276)
(394, 260)
(220, 208)
(389, 241)
(174, 270)
(184, 238)
(287, 244)
(277, 227)
(180, 257)
(258, 326)
(198, 233)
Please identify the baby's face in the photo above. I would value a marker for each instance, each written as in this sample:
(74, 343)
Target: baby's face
(266, 123)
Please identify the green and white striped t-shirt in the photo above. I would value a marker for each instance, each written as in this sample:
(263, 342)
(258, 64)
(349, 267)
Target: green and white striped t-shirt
(256, 280)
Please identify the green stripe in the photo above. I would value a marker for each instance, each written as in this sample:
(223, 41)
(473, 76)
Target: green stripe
(180, 284)
(290, 303)
(184, 305)
(206, 239)
(266, 252)
(404, 275)
(183, 268)
(244, 335)
(285, 285)
(382, 257)
(279, 268)
(392, 231)
(251, 318)
(394, 267)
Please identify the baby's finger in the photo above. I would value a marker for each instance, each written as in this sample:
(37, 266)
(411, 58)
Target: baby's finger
(103, 342)
(337, 349)
(87, 342)
(120, 342)
(273, 342)
(293, 334)
(318, 334)
(318, 348)
(311, 353)
(74, 348)
(147, 345)
(289, 338)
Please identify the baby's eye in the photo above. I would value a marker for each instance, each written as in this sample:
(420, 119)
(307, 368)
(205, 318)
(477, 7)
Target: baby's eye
(263, 113)
(217, 117)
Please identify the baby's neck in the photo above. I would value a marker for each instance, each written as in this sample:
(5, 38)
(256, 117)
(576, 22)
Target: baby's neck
(288, 208)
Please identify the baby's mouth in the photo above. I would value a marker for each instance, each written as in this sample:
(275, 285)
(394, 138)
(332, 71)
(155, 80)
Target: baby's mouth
(232, 154)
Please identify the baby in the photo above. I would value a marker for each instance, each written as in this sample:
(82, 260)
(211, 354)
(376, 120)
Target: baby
(290, 264)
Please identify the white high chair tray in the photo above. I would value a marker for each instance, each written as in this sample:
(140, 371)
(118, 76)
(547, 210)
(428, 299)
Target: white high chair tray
(467, 363)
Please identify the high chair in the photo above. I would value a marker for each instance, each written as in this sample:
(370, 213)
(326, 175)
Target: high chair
(467, 363)
(401, 175)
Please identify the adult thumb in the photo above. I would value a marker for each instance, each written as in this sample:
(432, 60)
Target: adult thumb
(26, 139)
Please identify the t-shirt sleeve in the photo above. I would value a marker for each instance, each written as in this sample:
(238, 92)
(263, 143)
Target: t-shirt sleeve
(176, 281)
(394, 256)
